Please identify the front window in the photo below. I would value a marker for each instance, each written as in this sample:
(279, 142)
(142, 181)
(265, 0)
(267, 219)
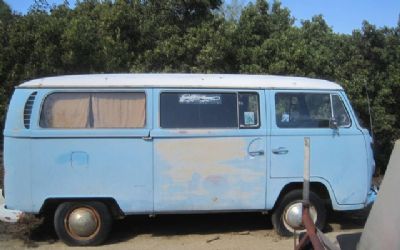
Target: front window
(310, 110)
(303, 110)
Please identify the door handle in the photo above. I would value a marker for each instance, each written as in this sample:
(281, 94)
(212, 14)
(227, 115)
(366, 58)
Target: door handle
(147, 138)
(280, 151)
(256, 153)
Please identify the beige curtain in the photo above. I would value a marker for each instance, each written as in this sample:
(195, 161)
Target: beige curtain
(66, 110)
(119, 110)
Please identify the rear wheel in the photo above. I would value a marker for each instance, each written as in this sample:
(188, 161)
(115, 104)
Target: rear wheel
(289, 209)
(82, 223)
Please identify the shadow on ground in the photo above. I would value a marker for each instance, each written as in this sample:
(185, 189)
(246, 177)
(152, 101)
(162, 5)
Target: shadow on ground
(170, 225)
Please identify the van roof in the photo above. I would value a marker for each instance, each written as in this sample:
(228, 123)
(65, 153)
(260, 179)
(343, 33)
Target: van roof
(236, 81)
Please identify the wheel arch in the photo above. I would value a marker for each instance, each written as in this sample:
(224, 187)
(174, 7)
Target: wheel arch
(50, 205)
(317, 187)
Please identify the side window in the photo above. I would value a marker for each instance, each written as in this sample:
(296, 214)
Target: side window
(340, 113)
(302, 110)
(66, 110)
(118, 110)
(198, 110)
(94, 110)
(248, 110)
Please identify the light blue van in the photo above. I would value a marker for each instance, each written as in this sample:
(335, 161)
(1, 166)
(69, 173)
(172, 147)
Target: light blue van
(87, 149)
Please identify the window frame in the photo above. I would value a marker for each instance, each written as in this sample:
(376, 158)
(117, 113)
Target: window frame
(208, 91)
(45, 96)
(345, 109)
(255, 126)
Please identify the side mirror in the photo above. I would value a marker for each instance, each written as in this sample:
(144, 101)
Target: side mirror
(333, 124)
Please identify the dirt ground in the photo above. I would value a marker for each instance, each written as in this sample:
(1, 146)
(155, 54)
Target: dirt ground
(175, 232)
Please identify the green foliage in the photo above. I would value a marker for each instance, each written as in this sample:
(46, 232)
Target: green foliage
(203, 36)
(5, 12)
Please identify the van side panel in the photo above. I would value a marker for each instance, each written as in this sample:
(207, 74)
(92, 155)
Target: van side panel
(209, 174)
(340, 159)
(93, 167)
(17, 178)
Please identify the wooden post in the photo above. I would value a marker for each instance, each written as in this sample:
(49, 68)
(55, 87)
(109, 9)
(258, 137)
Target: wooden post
(306, 174)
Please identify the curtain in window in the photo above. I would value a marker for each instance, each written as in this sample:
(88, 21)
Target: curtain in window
(119, 110)
(66, 110)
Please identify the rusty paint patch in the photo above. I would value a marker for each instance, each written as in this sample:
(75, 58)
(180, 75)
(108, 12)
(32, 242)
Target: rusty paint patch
(205, 173)
(204, 157)
(206, 149)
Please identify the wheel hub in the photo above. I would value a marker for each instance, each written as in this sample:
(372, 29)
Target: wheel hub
(292, 216)
(83, 222)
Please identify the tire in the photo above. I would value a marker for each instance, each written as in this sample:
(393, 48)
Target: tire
(68, 223)
(278, 217)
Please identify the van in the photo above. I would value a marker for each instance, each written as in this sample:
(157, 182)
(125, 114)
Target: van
(88, 149)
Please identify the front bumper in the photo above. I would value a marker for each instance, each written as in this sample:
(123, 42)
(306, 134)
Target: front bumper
(371, 196)
(8, 215)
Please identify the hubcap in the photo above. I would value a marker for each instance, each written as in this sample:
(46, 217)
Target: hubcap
(83, 222)
(292, 216)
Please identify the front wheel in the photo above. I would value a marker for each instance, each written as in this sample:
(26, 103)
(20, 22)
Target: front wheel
(82, 223)
(289, 209)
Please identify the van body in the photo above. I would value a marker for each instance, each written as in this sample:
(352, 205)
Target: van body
(182, 143)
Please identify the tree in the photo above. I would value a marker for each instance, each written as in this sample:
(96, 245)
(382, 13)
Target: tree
(257, 35)
(232, 11)
(5, 21)
(203, 36)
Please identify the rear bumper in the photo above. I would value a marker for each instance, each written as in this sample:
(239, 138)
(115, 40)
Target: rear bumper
(371, 196)
(8, 215)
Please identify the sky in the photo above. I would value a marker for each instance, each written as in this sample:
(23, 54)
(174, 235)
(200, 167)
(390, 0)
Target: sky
(342, 15)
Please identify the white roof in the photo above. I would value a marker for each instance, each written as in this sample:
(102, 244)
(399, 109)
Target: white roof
(180, 81)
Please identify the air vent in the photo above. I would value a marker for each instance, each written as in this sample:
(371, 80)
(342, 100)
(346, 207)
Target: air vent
(28, 110)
